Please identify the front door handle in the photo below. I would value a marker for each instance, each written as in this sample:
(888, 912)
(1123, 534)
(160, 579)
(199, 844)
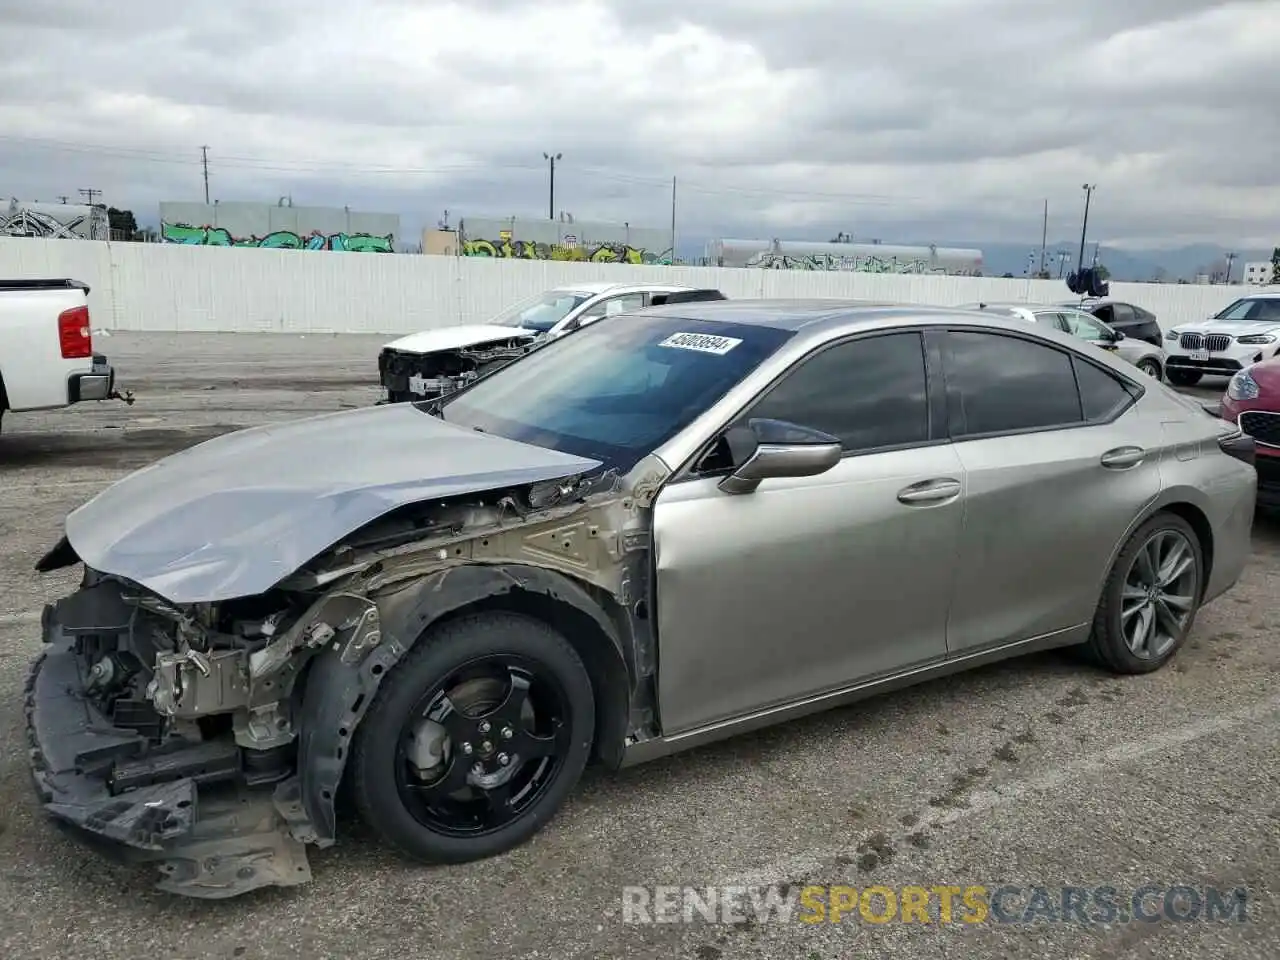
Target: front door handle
(929, 491)
(1121, 458)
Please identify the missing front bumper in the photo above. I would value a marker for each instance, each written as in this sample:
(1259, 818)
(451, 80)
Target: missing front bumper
(209, 840)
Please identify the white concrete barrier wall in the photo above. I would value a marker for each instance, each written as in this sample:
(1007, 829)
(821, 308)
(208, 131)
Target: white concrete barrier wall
(146, 286)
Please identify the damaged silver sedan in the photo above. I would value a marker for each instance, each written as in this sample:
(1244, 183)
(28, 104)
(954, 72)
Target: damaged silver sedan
(670, 528)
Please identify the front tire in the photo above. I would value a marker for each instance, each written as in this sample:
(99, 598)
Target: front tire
(1184, 378)
(1150, 367)
(1150, 599)
(474, 740)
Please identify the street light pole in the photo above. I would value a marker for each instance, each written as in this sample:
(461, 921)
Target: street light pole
(551, 199)
(1084, 227)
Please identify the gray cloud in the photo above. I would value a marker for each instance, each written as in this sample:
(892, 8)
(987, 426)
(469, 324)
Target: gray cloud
(936, 119)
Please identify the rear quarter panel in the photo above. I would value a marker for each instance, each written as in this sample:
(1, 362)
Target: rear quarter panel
(31, 365)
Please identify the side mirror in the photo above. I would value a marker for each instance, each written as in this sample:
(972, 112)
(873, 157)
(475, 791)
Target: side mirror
(783, 450)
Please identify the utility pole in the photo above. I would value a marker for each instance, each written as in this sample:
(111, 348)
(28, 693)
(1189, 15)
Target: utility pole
(1231, 258)
(1084, 227)
(204, 162)
(89, 194)
(1044, 237)
(673, 220)
(551, 204)
(62, 199)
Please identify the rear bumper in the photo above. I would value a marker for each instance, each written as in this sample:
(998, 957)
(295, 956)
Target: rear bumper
(134, 803)
(97, 384)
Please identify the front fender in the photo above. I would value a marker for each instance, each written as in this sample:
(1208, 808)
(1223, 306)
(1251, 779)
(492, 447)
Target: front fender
(336, 694)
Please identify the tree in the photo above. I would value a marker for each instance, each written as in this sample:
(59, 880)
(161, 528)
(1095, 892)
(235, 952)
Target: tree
(1102, 272)
(122, 223)
(1275, 265)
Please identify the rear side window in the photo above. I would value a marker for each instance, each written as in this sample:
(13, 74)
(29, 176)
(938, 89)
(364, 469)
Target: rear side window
(1004, 384)
(1102, 395)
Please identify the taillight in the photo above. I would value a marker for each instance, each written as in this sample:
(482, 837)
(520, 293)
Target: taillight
(1240, 445)
(73, 334)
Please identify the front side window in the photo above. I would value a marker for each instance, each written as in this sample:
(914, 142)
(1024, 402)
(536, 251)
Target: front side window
(542, 311)
(1084, 326)
(1003, 384)
(614, 305)
(870, 392)
(614, 392)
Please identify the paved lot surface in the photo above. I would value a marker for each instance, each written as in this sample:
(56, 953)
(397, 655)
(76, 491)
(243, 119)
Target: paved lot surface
(1039, 771)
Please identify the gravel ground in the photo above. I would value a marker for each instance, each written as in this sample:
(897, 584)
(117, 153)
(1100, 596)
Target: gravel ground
(1035, 772)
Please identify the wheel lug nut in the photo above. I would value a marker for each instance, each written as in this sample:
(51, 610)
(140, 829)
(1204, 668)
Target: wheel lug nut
(484, 726)
(506, 733)
(466, 749)
(503, 759)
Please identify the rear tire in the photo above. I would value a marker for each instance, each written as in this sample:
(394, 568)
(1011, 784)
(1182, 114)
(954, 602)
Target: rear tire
(1184, 378)
(1151, 597)
(502, 707)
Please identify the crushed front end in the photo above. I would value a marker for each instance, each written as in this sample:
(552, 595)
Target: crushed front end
(407, 376)
(156, 730)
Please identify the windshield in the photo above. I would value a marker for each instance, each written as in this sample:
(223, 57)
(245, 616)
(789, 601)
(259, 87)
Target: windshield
(1261, 308)
(616, 390)
(542, 311)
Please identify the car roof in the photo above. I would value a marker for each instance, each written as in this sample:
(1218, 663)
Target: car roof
(596, 287)
(818, 317)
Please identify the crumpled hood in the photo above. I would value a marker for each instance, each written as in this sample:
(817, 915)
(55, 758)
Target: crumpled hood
(232, 516)
(456, 338)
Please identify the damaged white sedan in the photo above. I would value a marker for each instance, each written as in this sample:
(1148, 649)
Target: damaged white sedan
(669, 528)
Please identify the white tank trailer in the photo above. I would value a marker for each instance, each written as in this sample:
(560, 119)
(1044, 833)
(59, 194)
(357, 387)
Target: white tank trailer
(860, 257)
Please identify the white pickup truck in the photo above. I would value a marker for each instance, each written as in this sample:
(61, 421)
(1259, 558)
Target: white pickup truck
(46, 347)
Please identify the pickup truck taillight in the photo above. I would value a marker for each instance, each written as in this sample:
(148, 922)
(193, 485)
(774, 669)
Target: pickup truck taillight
(73, 334)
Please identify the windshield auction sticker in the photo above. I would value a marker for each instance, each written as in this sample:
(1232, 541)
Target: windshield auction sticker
(701, 342)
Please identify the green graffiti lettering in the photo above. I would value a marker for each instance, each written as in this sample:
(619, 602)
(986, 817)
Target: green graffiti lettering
(208, 236)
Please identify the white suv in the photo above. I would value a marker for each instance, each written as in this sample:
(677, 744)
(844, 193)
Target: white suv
(1244, 333)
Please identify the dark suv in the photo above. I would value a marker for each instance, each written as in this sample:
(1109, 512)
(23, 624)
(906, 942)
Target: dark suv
(1131, 320)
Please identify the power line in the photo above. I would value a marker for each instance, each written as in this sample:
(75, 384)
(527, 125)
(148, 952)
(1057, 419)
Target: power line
(89, 193)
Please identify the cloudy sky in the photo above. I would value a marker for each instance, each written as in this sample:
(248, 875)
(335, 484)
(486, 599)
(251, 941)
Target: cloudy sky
(908, 120)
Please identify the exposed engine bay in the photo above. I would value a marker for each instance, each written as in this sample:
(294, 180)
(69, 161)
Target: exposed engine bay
(417, 376)
(211, 737)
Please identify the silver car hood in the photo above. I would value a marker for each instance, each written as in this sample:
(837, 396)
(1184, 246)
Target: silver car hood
(232, 516)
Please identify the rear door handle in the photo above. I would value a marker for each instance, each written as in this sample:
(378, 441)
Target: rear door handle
(1123, 457)
(929, 491)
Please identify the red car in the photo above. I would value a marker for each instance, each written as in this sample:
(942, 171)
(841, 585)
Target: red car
(1252, 402)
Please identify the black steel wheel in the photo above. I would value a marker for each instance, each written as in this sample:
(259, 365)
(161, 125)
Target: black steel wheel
(1151, 597)
(474, 739)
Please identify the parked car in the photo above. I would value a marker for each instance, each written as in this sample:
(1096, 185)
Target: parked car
(1147, 358)
(1135, 322)
(430, 364)
(668, 528)
(47, 358)
(1246, 332)
(1252, 402)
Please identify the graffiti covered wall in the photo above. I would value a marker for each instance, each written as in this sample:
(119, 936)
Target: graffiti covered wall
(843, 256)
(54, 221)
(514, 239)
(278, 227)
